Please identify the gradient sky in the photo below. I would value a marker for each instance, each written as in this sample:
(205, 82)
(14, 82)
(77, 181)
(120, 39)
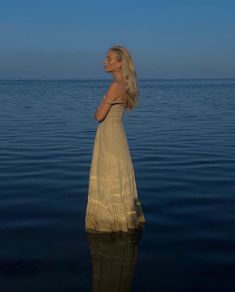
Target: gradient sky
(69, 39)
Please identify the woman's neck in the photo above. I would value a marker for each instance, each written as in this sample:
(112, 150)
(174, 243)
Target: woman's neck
(117, 75)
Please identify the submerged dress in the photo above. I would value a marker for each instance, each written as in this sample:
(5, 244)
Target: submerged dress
(112, 202)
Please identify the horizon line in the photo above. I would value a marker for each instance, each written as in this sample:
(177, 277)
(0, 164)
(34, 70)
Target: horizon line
(108, 79)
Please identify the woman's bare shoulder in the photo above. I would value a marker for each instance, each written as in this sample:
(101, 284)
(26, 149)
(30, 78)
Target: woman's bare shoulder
(115, 86)
(113, 90)
(119, 90)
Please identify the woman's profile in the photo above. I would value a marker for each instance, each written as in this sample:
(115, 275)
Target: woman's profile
(112, 203)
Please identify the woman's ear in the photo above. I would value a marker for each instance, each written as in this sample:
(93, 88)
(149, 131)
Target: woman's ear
(119, 64)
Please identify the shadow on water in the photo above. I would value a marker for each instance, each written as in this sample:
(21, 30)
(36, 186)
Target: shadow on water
(113, 255)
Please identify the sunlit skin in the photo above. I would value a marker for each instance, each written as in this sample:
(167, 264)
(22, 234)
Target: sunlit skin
(116, 91)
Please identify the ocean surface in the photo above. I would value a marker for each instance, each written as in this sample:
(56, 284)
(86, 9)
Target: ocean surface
(182, 142)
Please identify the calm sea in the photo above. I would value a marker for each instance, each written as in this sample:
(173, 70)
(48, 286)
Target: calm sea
(182, 141)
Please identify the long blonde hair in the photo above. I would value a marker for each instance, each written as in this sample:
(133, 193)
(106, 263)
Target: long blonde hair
(129, 74)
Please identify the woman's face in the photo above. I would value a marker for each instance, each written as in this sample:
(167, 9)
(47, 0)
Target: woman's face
(111, 62)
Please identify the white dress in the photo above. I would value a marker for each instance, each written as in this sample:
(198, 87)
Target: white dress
(112, 203)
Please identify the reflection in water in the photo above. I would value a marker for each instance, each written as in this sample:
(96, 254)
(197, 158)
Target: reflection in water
(114, 255)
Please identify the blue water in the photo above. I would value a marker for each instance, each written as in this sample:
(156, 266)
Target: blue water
(182, 142)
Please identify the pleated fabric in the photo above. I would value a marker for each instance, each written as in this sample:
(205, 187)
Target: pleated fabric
(112, 203)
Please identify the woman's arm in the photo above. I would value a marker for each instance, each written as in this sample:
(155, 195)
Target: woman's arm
(109, 98)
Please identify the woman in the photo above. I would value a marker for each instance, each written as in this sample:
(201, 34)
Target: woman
(113, 203)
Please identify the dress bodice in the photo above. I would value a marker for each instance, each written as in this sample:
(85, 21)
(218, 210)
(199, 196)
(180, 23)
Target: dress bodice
(115, 113)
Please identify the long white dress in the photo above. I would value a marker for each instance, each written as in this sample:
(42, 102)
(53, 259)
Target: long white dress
(112, 203)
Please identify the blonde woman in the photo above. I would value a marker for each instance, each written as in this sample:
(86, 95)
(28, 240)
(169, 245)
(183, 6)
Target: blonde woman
(113, 203)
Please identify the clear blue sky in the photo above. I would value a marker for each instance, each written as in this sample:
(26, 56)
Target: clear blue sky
(69, 39)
